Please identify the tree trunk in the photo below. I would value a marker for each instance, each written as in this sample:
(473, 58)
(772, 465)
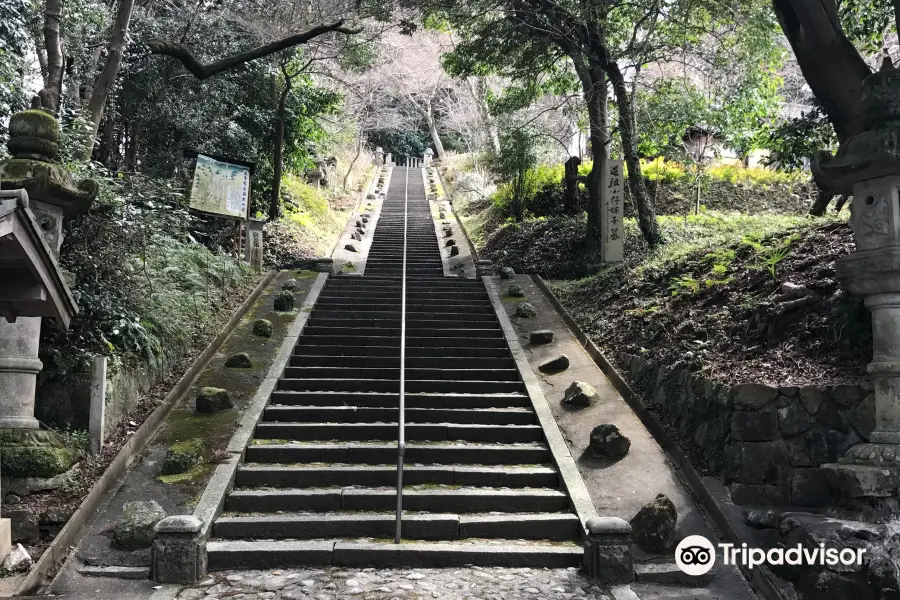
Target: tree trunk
(104, 83)
(55, 60)
(570, 182)
(359, 145)
(593, 84)
(830, 64)
(131, 150)
(644, 207)
(476, 87)
(435, 136)
(819, 207)
(275, 200)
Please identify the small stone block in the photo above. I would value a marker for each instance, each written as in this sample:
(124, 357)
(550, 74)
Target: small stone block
(179, 553)
(290, 284)
(136, 526)
(241, 360)
(179, 524)
(284, 301)
(450, 242)
(541, 336)
(454, 250)
(525, 310)
(262, 327)
(515, 291)
(351, 248)
(507, 273)
(608, 526)
(580, 395)
(212, 400)
(554, 365)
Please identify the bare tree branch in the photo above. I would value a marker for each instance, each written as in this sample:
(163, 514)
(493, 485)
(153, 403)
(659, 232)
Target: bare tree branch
(201, 71)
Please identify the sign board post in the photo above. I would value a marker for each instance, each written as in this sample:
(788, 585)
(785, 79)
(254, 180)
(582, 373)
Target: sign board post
(612, 234)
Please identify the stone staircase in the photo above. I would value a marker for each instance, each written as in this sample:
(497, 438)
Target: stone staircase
(317, 485)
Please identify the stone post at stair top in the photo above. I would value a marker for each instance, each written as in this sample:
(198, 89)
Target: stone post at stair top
(868, 167)
(429, 155)
(33, 144)
(379, 156)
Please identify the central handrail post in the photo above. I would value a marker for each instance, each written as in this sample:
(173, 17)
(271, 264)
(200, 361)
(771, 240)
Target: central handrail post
(401, 421)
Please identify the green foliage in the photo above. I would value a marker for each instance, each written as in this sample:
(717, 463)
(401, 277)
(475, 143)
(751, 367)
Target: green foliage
(792, 141)
(866, 21)
(515, 164)
(769, 255)
(13, 16)
(145, 289)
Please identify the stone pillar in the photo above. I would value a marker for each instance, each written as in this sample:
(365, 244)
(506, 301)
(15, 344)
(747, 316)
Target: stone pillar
(179, 550)
(607, 551)
(868, 167)
(19, 368)
(389, 160)
(253, 253)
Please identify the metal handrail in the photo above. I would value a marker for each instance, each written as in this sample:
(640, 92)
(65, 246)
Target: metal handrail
(401, 421)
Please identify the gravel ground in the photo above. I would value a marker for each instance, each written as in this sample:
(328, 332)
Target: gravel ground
(473, 583)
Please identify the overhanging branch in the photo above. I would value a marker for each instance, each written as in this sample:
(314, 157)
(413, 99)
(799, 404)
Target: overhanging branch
(201, 71)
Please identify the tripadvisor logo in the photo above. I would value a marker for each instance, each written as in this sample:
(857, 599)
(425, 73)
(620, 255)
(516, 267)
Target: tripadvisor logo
(696, 555)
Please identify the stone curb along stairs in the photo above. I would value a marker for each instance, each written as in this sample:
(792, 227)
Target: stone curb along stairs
(488, 477)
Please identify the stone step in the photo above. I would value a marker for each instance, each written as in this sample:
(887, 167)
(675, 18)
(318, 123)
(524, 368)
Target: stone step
(441, 454)
(433, 500)
(386, 385)
(394, 351)
(355, 431)
(235, 554)
(375, 310)
(391, 400)
(379, 318)
(339, 302)
(411, 332)
(363, 326)
(432, 526)
(393, 374)
(368, 414)
(376, 283)
(411, 362)
(415, 341)
(272, 476)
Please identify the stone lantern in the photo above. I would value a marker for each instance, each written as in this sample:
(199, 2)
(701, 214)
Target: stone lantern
(429, 156)
(868, 167)
(379, 156)
(39, 194)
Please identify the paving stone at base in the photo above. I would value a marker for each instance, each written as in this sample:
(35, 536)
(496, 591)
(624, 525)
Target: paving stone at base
(404, 584)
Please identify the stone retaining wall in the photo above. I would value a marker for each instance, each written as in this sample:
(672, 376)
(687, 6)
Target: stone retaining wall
(767, 443)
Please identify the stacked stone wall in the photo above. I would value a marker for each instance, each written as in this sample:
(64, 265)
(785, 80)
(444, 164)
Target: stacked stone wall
(767, 443)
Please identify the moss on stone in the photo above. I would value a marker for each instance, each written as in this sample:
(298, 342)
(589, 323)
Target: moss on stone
(184, 425)
(36, 461)
(181, 457)
(187, 477)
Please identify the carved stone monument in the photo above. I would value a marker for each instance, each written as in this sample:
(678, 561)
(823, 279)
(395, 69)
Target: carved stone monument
(41, 193)
(253, 253)
(868, 167)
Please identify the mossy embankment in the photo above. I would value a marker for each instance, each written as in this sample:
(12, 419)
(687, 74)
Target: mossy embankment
(713, 299)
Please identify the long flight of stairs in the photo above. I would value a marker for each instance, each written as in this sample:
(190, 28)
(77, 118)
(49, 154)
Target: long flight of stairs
(317, 485)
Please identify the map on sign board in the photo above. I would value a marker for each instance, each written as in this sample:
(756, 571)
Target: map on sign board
(220, 188)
